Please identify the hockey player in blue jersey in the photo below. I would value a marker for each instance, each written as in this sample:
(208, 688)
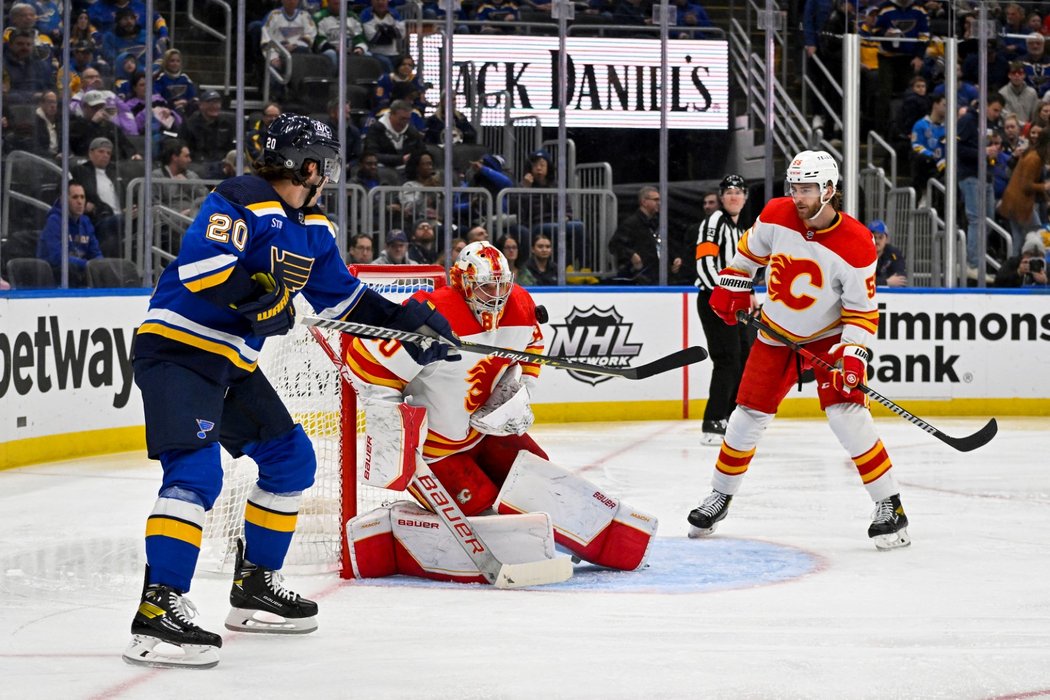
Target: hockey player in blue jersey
(257, 241)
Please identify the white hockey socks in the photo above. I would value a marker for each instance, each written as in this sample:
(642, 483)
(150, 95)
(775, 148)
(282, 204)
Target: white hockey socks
(855, 429)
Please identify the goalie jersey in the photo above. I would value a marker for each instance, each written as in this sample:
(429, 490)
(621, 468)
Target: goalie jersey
(819, 282)
(450, 391)
(243, 228)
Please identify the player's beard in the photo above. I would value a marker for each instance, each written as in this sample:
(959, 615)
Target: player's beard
(807, 211)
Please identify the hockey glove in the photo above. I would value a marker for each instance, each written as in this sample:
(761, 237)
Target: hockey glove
(732, 294)
(270, 311)
(851, 367)
(423, 318)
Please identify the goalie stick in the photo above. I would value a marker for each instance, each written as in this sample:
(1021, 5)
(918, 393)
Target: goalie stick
(675, 360)
(426, 485)
(963, 444)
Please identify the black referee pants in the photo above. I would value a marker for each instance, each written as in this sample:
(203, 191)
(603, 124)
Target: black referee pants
(728, 347)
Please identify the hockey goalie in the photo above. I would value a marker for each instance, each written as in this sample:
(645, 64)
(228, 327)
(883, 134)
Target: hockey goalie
(469, 420)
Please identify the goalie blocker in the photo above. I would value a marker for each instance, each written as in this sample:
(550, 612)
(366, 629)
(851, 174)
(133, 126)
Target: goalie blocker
(540, 504)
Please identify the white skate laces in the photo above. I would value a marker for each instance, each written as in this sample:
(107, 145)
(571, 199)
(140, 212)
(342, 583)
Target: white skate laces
(275, 582)
(883, 511)
(713, 503)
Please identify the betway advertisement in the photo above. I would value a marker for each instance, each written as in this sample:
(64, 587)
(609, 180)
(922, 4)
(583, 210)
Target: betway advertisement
(65, 361)
(611, 83)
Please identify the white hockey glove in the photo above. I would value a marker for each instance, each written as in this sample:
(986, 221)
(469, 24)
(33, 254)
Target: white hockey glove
(508, 411)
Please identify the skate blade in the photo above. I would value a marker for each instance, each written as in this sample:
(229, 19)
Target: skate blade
(153, 652)
(895, 540)
(262, 622)
(712, 439)
(698, 532)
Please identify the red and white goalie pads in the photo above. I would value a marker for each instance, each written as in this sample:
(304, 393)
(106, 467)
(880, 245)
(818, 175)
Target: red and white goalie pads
(402, 538)
(394, 435)
(594, 526)
(507, 411)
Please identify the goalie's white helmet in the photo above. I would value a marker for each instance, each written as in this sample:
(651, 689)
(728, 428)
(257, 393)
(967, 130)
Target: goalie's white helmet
(483, 276)
(813, 166)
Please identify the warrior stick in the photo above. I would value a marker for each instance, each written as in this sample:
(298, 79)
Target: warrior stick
(963, 444)
(681, 358)
(426, 485)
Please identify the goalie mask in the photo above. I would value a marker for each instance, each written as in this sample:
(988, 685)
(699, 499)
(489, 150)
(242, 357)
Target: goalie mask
(483, 277)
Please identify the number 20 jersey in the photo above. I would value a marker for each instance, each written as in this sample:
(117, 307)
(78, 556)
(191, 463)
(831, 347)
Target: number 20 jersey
(243, 222)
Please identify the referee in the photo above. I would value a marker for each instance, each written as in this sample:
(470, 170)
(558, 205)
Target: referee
(728, 345)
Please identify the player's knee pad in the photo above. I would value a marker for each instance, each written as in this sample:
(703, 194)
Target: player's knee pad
(593, 525)
(197, 472)
(287, 463)
(745, 427)
(464, 480)
(394, 434)
(853, 426)
(402, 538)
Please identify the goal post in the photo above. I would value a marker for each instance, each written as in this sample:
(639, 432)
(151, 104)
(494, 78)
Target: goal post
(310, 387)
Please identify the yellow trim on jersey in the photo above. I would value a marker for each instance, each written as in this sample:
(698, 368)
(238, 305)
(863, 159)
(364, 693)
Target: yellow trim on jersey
(268, 208)
(791, 336)
(742, 247)
(209, 281)
(369, 377)
(180, 336)
(279, 522)
(160, 526)
(865, 320)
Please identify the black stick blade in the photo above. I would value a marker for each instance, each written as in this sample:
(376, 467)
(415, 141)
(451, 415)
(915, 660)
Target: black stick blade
(972, 442)
(686, 356)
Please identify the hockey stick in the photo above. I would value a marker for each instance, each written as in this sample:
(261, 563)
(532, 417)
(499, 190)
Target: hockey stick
(680, 358)
(963, 444)
(437, 497)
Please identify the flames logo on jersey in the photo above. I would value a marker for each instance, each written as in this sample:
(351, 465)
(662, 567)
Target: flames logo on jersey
(783, 271)
(483, 376)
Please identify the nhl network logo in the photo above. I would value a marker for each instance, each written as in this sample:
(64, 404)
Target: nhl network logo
(594, 335)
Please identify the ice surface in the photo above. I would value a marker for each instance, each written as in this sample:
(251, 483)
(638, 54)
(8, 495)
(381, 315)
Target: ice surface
(789, 599)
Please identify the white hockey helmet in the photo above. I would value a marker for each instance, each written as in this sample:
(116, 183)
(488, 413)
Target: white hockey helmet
(813, 167)
(483, 277)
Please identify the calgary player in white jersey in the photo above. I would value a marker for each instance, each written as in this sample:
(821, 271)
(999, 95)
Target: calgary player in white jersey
(469, 423)
(821, 293)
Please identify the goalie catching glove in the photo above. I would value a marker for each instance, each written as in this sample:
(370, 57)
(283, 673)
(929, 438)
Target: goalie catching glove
(269, 307)
(732, 294)
(851, 367)
(423, 318)
(507, 411)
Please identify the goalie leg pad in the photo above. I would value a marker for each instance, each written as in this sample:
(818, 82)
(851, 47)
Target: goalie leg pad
(465, 481)
(593, 525)
(402, 538)
(394, 433)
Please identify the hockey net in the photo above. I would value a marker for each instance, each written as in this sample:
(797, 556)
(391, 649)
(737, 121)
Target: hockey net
(310, 386)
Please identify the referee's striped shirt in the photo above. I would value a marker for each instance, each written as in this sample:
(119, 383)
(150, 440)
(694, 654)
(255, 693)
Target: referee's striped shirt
(715, 247)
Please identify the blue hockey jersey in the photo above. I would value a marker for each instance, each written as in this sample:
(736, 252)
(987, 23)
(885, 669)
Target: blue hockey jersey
(243, 228)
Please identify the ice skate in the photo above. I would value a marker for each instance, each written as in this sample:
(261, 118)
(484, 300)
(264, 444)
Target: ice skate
(262, 604)
(164, 636)
(714, 432)
(705, 517)
(889, 524)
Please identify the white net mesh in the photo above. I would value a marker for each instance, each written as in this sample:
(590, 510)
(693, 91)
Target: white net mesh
(309, 384)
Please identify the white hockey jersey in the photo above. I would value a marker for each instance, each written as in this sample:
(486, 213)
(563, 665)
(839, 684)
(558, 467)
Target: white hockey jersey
(450, 391)
(819, 282)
